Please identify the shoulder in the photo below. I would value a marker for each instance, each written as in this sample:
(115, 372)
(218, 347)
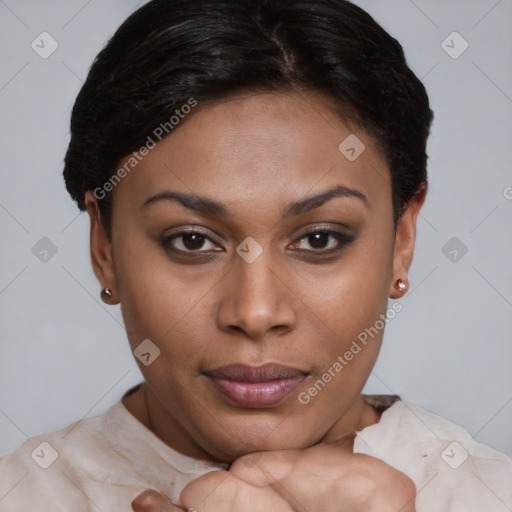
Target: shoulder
(451, 470)
(59, 470)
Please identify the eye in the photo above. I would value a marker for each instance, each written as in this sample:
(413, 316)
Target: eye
(322, 239)
(189, 241)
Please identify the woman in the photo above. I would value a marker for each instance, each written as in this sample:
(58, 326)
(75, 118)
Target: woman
(253, 173)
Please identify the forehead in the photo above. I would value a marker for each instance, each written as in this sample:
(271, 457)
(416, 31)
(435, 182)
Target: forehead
(265, 147)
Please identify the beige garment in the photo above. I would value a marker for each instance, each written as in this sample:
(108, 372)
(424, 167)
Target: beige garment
(102, 462)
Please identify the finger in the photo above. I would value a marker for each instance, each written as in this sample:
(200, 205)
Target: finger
(153, 501)
(326, 477)
(220, 491)
(278, 470)
(264, 468)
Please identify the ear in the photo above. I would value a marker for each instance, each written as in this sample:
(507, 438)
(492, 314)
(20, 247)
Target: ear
(101, 250)
(404, 241)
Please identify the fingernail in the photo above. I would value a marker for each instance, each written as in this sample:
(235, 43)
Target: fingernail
(151, 502)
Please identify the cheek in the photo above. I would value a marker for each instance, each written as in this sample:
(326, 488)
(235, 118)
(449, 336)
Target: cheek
(343, 361)
(352, 295)
(352, 303)
(158, 302)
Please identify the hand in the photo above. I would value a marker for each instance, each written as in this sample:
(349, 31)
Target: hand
(326, 478)
(221, 492)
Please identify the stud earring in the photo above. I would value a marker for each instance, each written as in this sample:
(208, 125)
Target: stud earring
(400, 285)
(106, 293)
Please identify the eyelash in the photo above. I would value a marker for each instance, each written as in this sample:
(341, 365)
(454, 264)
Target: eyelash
(342, 238)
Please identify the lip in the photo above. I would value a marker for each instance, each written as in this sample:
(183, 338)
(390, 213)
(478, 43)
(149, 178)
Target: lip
(256, 386)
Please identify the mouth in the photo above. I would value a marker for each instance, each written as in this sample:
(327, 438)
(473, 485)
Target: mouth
(256, 386)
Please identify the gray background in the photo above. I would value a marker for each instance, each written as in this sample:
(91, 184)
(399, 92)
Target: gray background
(64, 354)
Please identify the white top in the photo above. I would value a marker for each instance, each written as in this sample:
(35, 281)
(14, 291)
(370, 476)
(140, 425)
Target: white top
(103, 462)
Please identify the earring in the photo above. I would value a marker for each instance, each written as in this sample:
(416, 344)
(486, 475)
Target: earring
(106, 293)
(400, 285)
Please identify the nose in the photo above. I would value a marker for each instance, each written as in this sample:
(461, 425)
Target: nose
(257, 298)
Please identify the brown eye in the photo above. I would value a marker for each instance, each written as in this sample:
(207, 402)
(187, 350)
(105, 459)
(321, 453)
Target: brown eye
(319, 240)
(193, 241)
(189, 241)
(323, 240)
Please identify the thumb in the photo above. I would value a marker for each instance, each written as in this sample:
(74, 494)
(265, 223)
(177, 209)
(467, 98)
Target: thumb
(153, 501)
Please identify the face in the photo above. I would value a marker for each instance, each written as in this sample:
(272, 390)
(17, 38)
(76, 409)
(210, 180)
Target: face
(258, 296)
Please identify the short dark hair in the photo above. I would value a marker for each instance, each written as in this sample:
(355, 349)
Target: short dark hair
(170, 51)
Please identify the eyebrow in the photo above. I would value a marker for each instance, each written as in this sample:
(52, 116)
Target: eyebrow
(210, 207)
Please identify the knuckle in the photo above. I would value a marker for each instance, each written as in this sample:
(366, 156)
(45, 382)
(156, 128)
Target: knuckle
(215, 486)
(266, 466)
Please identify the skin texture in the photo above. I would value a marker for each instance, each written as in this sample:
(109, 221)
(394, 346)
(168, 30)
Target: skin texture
(301, 303)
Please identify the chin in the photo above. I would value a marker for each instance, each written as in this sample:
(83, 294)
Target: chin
(226, 448)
